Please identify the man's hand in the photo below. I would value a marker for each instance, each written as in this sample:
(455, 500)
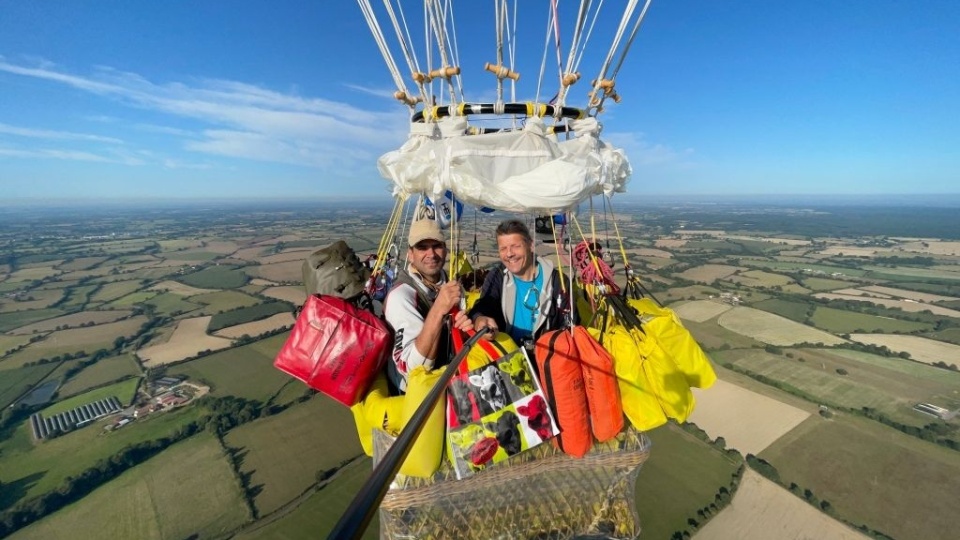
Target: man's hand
(448, 297)
(482, 322)
(462, 322)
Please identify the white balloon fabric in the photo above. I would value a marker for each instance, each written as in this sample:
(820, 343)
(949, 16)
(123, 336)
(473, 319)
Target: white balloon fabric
(527, 170)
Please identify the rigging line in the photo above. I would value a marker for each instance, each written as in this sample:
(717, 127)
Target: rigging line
(574, 43)
(378, 37)
(556, 38)
(499, 9)
(404, 38)
(614, 46)
(455, 48)
(439, 29)
(586, 40)
(633, 34)
(512, 47)
(543, 61)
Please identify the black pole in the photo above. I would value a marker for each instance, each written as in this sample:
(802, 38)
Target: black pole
(358, 515)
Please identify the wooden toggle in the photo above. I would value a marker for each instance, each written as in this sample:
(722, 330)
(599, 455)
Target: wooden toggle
(444, 72)
(420, 77)
(570, 78)
(605, 84)
(409, 100)
(502, 72)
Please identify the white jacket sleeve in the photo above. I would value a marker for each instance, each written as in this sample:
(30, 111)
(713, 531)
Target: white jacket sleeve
(400, 311)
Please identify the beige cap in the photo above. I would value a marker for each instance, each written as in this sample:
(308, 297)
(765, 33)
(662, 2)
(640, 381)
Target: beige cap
(425, 229)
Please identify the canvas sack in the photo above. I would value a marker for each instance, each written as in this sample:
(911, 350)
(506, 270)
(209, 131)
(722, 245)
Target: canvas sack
(336, 348)
(335, 270)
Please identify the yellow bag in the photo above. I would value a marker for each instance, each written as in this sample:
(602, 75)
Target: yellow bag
(471, 299)
(460, 264)
(640, 403)
(664, 324)
(478, 357)
(390, 414)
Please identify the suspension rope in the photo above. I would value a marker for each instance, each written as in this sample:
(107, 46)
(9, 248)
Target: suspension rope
(403, 36)
(379, 38)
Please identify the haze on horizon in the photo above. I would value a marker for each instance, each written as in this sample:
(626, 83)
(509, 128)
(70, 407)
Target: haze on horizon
(291, 99)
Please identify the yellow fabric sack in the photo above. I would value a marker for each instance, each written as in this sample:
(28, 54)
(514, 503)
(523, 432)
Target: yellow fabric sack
(478, 357)
(666, 380)
(640, 404)
(471, 299)
(670, 333)
(427, 452)
(378, 410)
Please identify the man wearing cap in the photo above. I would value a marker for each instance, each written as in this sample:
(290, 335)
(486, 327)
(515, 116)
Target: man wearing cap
(418, 303)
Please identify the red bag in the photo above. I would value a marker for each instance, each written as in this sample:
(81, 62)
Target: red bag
(336, 348)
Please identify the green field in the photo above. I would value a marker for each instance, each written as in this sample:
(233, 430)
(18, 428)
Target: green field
(712, 336)
(300, 447)
(247, 314)
(823, 284)
(797, 267)
(133, 299)
(951, 335)
(27, 470)
(873, 475)
(840, 321)
(106, 370)
(223, 301)
(16, 319)
(9, 342)
(681, 476)
(889, 385)
(316, 516)
(216, 277)
(245, 371)
(123, 390)
(117, 289)
(795, 311)
(15, 382)
(166, 304)
(189, 490)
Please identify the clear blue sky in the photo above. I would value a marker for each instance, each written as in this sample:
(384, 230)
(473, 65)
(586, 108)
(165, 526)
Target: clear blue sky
(234, 98)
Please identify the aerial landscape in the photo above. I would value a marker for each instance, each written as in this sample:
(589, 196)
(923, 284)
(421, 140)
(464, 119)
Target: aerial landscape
(778, 181)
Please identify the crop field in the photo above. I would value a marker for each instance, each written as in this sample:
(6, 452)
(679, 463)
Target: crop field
(681, 476)
(189, 489)
(759, 278)
(191, 255)
(255, 328)
(762, 510)
(247, 314)
(773, 329)
(712, 336)
(27, 470)
(223, 247)
(33, 300)
(123, 390)
(925, 273)
(187, 340)
(117, 289)
(317, 515)
(11, 341)
(9, 321)
(827, 271)
(216, 277)
(104, 371)
(748, 421)
(176, 287)
(285, 272)
(701, 310)
(294, 295)
(873, 474)
(299, 447)
(298, 255)
(81, 263)
(16, 381)
(72, 320)
(692, 292)
(839, 321)
(251, 253)
(921, 349)
(245, 371)
(912, 295)
(709, 273)
(951, 335)
(93, 335)
(166, 304)
(178, 244)
(224, 301)
(133, 299)
(795, 311)
(905, 305)
(30, 274)
(933, 247)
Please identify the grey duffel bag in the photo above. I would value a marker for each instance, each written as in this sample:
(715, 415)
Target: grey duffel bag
(335, 270)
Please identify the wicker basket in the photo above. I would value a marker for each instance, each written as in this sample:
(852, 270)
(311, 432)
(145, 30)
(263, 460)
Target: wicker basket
(541, 493)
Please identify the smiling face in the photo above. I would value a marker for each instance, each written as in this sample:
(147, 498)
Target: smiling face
(516, 253)
(427, 258)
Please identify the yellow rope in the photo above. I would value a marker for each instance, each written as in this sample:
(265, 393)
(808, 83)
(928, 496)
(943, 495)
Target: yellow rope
(388, 234)
(616, 228)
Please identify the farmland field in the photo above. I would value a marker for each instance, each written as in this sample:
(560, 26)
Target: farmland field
(9, 321)
(72, 320)
(762, 510)
(681, 476)
(255, 328)
(16, 381)
(176, 287)
(285, 272)
(224, 301)
(748, 421)
(759, 278)
(123, 390)
(247, 315)
(709, 273)
(921, 349)
(300, 447)
(823, 284)
(9, 342)
(189, 489)
(187, 340)
(773, 329)
(104, 371)
(294, 295)
(36, 299)
(894, 303)
(912, 295)
(795, 311)
(701, 310)
(117, 289)
(216, 277)
(168, 304)
(840, 321)
(873, 474)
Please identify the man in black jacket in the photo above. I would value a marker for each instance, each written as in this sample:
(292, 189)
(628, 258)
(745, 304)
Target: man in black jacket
(523, 296)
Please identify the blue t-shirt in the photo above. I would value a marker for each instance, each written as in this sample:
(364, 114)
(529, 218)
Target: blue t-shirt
(527, 306)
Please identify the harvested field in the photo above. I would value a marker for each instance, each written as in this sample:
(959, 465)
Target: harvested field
(701, 310)
(261, 282)
(93, 335)
(255, 328)
(759, 278)
(250, 254)
(111, 291)
(174, 245)
(748, 421)
(921, 349)
(287, 256)
(285, 272)
(41, 299)
(81, 263)
(650, 252)
(30, 274)
(9, 342)
(294, 295)
(853, 251)
(709, 273)
(933, 247)
(669, 243)
(72, 321)
(773, 329)
(107, 370)
(223, 247)
(912, 295)
(762, 510)
(905, 305)
(176, 287)
(187, 340)
(225, 301)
